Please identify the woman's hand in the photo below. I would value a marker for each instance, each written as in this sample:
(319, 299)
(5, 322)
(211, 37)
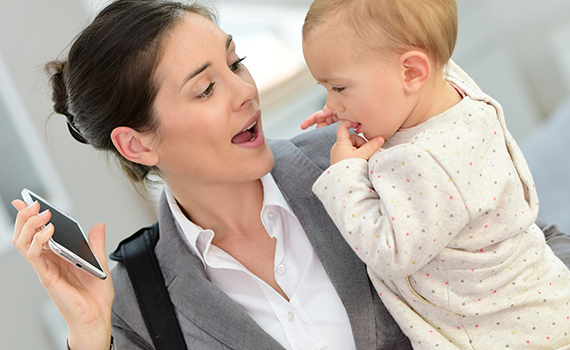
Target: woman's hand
(84, 301)
(351, 145)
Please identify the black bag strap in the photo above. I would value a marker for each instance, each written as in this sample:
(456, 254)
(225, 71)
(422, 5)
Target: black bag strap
(138, 256)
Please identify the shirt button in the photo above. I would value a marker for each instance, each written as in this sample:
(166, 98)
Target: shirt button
(281, 268)
(271, 217)
(290, 316)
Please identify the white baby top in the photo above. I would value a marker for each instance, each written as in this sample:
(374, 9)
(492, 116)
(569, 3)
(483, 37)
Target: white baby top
(443, 215)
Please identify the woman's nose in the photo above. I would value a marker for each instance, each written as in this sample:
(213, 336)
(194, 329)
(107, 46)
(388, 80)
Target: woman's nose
(244, 88)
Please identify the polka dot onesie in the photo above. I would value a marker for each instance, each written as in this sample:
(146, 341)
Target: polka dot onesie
(443, 215)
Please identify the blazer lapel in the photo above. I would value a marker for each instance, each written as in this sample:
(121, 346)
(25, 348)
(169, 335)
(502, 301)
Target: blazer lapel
(204, 304)
(295, 174)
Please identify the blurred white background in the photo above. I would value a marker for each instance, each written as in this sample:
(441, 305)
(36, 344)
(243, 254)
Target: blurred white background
(518, 51)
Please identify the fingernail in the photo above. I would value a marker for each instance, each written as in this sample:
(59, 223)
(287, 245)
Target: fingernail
(46, 227)
(43, 212)
(33, 203)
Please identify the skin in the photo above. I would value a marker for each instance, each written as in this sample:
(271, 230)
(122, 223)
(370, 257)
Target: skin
(216, 182)
(375, 94)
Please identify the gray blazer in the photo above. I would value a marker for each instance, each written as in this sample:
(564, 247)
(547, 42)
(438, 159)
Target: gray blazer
(210, 319)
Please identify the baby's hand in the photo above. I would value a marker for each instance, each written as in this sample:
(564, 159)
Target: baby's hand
(321, 118)
(351, 145)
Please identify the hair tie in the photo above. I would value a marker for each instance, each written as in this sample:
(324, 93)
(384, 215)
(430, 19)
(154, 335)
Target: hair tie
(73, 130)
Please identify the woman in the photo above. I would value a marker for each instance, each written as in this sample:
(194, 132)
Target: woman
(250, 259)
(159, 84)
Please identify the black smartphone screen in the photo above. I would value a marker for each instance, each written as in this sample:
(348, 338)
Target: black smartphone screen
(68, 234)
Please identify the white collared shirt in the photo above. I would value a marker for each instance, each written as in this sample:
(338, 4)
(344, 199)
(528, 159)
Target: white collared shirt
(314, 317)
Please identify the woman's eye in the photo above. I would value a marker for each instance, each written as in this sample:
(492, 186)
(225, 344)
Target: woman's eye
(337, 89)
(208, 91)
(237, 64)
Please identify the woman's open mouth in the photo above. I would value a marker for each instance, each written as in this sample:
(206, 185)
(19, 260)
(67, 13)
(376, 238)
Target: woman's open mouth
(252, 135)
(246, 135)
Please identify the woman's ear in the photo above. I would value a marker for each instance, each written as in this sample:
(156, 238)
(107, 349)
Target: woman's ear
(417, 70)
(134, 146)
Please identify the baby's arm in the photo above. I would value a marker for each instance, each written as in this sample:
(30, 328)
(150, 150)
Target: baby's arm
(398, 214)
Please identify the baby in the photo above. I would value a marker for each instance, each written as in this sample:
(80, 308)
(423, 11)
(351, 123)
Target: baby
(439, 203)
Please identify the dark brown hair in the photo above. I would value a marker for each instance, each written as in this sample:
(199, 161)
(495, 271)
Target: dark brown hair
(108, 80)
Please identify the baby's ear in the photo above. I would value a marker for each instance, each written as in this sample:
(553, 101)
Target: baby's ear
(134, 146)
(417, 70)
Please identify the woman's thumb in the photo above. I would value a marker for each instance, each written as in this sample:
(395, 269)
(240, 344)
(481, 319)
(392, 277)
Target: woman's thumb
(97, 240)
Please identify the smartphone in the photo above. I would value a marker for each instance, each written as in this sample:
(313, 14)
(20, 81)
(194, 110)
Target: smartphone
(68, 240)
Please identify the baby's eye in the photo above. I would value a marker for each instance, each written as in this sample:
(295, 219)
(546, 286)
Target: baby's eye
(237, 64)
(337, 89)
(208, 91)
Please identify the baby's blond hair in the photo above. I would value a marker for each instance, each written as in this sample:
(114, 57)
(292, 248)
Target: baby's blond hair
(393, 26)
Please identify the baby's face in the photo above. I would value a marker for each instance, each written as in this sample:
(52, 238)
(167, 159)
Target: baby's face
(363, 88)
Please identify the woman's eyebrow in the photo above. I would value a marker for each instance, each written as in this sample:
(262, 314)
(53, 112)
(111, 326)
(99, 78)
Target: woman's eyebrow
(206, 65)
(229, 41)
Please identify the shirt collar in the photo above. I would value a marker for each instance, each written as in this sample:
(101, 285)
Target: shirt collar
(191, 232)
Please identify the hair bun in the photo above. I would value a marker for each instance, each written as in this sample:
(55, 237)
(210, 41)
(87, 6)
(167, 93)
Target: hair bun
(59, 97)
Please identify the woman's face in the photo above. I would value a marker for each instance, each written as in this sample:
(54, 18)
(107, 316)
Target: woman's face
(208, 105)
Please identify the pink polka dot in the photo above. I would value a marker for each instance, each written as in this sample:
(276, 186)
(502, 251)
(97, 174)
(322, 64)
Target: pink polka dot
(393, 218)
(476, 326)
(427, 274)
(450, 197)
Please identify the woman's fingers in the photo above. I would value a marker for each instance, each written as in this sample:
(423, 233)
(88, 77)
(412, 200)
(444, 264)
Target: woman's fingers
(23, 236)
(97, 241)
(24, 213)
(35, 253)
